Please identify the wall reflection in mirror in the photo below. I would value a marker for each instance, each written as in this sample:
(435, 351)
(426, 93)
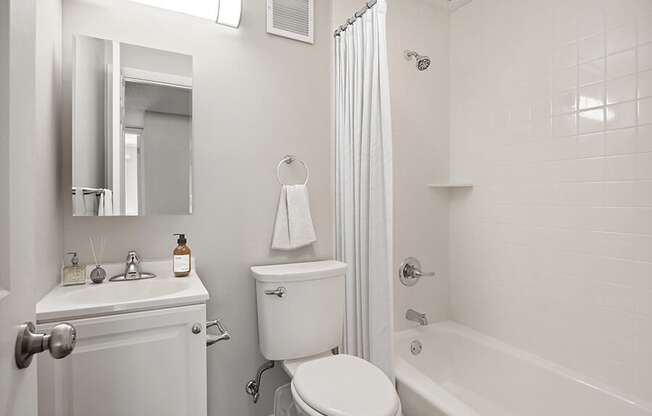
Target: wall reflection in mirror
(132, 130)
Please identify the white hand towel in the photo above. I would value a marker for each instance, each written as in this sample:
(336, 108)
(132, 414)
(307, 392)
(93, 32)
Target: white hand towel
(107, 203)
(293, 227)
(100, 206)
(78, 203)
(281, 237)
(302, 231)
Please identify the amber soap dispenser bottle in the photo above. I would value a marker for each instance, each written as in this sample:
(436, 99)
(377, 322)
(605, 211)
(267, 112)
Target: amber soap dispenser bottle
(181, 260)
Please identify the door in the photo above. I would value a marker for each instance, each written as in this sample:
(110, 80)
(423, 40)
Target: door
(17, 280)
(125, 364)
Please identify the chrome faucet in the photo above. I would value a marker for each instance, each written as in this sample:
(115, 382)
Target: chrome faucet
(414, 316)
(132, 270)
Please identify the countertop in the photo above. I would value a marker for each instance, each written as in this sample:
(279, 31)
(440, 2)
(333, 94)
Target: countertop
(110, 298)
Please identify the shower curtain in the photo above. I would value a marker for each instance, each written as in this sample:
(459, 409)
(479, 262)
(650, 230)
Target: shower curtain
(363, 190)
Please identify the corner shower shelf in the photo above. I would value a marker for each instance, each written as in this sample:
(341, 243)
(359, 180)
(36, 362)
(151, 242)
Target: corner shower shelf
(451, 185)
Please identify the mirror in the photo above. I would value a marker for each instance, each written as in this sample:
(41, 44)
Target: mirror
(132, 130)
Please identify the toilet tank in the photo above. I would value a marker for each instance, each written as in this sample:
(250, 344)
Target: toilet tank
(307, 318)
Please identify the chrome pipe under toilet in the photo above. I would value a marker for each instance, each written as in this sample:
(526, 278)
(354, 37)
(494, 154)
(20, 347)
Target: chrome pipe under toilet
(253, 386)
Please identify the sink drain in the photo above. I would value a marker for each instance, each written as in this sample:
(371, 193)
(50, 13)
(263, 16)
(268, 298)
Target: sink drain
(416, 347)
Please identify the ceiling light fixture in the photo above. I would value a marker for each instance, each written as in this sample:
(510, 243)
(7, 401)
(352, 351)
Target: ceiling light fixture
(229, 12)
(224, 12)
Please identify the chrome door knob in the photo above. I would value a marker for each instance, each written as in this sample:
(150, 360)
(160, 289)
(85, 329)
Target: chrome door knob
(60, 342)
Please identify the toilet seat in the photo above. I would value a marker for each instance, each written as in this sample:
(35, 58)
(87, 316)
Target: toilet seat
(344, 385)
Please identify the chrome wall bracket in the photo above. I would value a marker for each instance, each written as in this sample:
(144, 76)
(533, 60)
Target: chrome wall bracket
(222, 333)
(253, 386)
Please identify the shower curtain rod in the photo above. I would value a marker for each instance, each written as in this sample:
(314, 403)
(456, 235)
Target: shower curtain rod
(355, 17)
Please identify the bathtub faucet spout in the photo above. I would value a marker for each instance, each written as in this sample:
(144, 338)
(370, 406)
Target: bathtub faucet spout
(414, 316)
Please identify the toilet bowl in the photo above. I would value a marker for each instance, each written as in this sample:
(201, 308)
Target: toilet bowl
(300, 320)
(343, 385)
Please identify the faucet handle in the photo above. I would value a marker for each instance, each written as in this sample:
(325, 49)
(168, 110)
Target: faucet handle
(409, 272)
(132, 257)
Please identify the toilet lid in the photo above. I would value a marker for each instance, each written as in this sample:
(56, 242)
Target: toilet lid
(344, 385)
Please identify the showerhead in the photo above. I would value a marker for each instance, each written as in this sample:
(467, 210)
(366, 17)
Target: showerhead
(423, 62)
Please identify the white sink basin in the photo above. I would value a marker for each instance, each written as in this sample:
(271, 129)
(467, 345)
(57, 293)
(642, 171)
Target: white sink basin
(165, 290)
(125, 292)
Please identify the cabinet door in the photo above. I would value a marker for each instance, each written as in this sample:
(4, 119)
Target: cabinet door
(134, 364)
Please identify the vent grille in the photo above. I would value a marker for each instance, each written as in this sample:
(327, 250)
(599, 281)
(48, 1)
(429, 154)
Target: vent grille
(291, 19)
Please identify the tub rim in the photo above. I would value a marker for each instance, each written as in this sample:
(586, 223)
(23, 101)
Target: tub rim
(487, 341)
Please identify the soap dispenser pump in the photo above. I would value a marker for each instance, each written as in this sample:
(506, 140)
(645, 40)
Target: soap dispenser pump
(181, 261)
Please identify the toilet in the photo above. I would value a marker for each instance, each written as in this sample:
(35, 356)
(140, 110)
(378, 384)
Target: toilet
(300, 322)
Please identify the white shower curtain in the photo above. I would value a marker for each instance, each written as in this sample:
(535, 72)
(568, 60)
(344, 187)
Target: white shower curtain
(363, 190)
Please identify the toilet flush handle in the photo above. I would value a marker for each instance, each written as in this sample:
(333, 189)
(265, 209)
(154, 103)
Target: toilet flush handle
(279, 291)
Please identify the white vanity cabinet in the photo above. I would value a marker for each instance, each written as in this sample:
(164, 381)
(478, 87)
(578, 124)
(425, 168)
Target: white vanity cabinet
(141, 347)
(133, 364)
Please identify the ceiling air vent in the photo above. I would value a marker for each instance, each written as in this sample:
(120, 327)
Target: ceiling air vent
(292, 19)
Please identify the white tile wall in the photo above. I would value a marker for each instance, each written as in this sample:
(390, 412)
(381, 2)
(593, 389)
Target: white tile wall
(552, 250)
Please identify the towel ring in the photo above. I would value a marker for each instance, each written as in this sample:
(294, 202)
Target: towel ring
(289, 159)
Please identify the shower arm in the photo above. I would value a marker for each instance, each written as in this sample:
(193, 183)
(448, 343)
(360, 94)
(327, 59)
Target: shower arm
(411, 54)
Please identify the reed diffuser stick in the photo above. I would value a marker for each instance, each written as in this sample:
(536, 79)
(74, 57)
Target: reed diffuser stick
(93, 250)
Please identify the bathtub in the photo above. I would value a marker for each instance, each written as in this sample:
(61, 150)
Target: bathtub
(460, 372)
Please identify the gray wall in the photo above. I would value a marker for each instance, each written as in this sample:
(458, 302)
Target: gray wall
(148, 59)
(256, 98)
(46, 148)
(90, 102)
(166, 141)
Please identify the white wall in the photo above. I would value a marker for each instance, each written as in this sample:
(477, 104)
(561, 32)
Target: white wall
(552, 250)
(420, 134)
(256, 98)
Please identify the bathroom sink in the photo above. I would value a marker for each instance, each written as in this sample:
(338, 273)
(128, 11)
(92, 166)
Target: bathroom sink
(109, 292)
(75, 302)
